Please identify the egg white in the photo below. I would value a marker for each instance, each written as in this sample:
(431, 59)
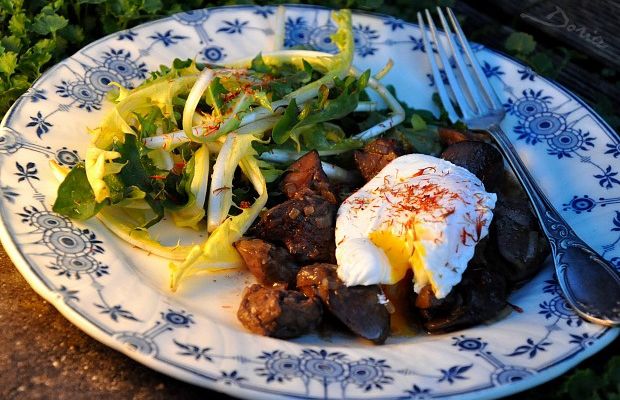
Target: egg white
(419, 212)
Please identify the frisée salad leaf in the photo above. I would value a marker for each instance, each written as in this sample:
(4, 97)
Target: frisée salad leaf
(190, 136)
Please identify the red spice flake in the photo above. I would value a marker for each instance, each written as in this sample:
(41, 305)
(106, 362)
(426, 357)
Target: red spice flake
(211, 129)
(465, 235)
(480, 222)
(515, 307)
(178, 167)
(357, 203)
(426, 197)
(244, 204)
(422, 171)
(229, 96)
(221, 189)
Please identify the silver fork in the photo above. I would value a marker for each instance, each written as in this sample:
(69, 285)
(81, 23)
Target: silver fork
(590, 283)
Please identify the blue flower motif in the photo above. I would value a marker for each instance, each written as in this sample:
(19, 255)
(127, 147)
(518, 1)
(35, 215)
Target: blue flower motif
(231, 378)
(364, 40)
(584, 340)
(120, 62)
(92, 240)
(43, 219)
(67, 157)
(418, 44)
(42, 125)
(491, 71)
(264, 11)
(324, 366)
(74, 247)
(178, 318)
(88, 98)
(116, 311)
(527, 73)
(194, 351)
(167, 38)
(369, 373)
(233, 27)
(569, 141)
(613, 149)
(616, 222)
(213, 53)
(558, 307)
(297, 32)
(26, 173)
(394, 23)
(468, 344)
(36, 95)
(476, 47)
(9, 194)
(453, 373)
(74, 266)
(552, 286)
(607, 178)
(580, 204)
(10, 141)
(67, 295)
(615, 261)
(417, 393)
(541, 126)
(530, 348)
(444, 78)
(532, 103)
(127, 35)
(279, 366)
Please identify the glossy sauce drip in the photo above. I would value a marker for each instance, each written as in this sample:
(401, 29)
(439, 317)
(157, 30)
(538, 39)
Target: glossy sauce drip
(402, 322)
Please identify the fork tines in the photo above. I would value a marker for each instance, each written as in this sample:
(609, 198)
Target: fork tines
(466, 83)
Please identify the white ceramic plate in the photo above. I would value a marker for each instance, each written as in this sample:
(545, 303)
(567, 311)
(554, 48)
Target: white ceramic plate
(119, 295)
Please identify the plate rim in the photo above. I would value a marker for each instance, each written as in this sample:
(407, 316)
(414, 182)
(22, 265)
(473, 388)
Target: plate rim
(604, 338)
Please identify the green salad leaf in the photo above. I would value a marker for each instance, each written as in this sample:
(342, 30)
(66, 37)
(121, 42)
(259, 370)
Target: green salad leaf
(76, 198)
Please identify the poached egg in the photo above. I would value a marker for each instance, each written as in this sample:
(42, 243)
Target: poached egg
(419, 212)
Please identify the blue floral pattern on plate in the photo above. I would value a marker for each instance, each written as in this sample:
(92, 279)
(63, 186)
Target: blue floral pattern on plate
(119, 295)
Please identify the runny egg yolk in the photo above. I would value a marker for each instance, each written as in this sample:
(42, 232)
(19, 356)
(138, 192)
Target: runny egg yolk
(398, 250)
(404, 252)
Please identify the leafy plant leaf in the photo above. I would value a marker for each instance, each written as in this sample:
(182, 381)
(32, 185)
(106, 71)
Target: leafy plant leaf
(44, 24)
(282, 129)
(76, 198)
(258, 64)
(425, 141)
(417, 122)
(8, 62)
(520, 43)
(583, 385)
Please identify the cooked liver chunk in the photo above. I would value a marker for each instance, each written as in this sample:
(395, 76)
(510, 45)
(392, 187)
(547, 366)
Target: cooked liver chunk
(277, 312)
(518, 238)
(305, 226)
(305, 177)
(376, 155)
(479, 296)
(448, 136)
(269, 263)
(481, 159)
(358, 307)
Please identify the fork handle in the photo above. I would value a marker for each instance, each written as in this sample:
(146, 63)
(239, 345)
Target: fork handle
(591, 285)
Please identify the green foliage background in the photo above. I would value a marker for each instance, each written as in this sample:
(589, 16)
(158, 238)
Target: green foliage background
(35, 34)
